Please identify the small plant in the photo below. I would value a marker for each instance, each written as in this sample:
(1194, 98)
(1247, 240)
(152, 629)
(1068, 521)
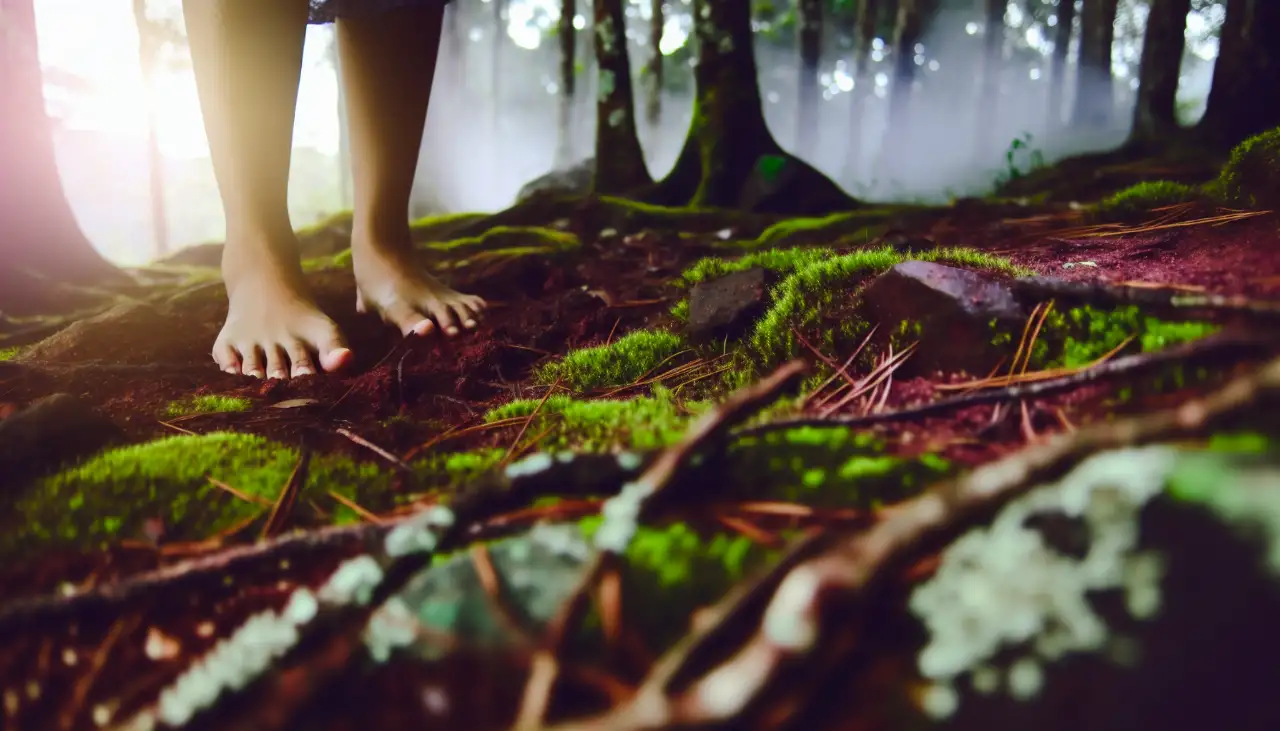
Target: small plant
(1019, 149)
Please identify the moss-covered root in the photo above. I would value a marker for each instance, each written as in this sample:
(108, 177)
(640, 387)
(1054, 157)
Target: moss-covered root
(1251, 177)
(1141, 199)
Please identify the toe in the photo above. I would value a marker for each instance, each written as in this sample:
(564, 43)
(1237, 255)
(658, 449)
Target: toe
(251, 361)
(444, 317)
(226, 357)
(277, 363)
(333, 351)
(463, 314)
(299, 359)
(409, 320)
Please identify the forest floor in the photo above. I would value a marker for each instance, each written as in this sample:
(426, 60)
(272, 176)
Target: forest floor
(151, 513)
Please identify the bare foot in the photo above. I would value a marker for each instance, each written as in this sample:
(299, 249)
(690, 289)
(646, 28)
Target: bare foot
(390, 283)
(273, 326)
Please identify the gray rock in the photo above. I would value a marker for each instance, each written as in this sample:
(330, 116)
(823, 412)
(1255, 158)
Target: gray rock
(948, 309)
(727, 305)
(574, 180)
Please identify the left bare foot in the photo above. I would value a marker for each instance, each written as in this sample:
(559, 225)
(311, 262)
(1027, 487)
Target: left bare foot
(390, 283)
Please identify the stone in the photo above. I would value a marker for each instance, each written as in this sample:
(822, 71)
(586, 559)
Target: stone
(50, 432)
(1157, 613)
(571, 181)
(948, 309)
(725, 306)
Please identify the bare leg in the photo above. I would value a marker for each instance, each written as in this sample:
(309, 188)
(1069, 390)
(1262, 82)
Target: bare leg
(388, 60)
(247, 56)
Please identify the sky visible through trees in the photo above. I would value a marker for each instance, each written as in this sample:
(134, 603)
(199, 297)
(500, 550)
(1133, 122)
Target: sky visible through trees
(94, 86)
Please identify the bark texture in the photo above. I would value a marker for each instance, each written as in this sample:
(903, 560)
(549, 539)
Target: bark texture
(1058, 65)
(567, 36)
(1245, 97)
(1095, 95)
(654, 71)
(1155, 114)
(620, 165)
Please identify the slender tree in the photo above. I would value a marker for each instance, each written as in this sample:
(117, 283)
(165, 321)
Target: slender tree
(1243, 100)
(151, 41)
(654, 73)
(866, 22)
(729, 158)
(906, 34)
(1164, 42)
(620, 166)
(1066, 17)
(567, 35)
(1095, 95)
(809, 32)
(992, 66)
(40, 240)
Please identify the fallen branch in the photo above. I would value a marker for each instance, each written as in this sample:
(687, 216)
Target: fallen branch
(1206, 349)
(1166, 300)
(697, 685)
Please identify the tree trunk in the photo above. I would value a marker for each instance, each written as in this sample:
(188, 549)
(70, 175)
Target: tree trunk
(1058, 66)
(867, 20)
(619, 160)
(1155, 113)
(729, 158)
(655, 77)
(148, 57)
(1243, 100)
(344, 131)
(906, 35)
(992, 67)
(495, 77)
(38, 231)
(809, 30)
(567, 36)
(1095, 95)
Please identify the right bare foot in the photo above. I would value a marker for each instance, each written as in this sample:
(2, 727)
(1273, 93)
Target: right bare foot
(273, 326)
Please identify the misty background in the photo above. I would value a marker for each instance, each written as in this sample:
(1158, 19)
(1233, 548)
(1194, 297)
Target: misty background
(492, 126)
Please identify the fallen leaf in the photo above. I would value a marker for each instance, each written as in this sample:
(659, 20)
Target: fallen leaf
(294, 403)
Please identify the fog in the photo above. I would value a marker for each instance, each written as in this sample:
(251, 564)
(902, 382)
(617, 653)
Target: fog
(482, 143)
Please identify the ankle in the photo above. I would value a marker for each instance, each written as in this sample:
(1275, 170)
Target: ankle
(381, 232)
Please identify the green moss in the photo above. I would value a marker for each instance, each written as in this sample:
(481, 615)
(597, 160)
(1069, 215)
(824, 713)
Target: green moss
(9, 353)
(1088, 333)
(638, 423)
(828, 467)
(673, 568)
(429, 227)
(544, 240)
(1251, 177)
(800, 300)
(782, 261)
(619, 363)
(680, 310)
(828, 229)
(112, 495)
(208, 404)
(1144, 197)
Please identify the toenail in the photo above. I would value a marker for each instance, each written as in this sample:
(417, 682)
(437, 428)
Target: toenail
(229, 369)
(279, 374)
(256, 373)
(452, 331)
(303, 371)
(470, 323)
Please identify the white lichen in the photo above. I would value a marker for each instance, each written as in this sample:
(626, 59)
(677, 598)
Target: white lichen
(629, 461)
(1002, 587)
(621, 515)
(419, 534)
(531, 465)
(353, 582)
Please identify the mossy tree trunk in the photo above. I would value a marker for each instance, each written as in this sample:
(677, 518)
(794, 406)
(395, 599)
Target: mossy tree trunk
(868, 19)
(620, 166)
(729, 158)
(989, 80)
(567, 35)
(1095, 95)
(40, 238)
(809, 36)
(1058, 65)
(1155, 113)
(654, 73)
(1245, 97)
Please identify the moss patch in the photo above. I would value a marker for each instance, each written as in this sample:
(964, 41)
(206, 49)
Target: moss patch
(434, 227)
(1143, 197)
(638, 423)
(1251, 177)
(547, 240)
(800, 300)
(783, 261)
(209, 404)
(1088, 333)
(619, 363)
(10, 353)
(828, 229)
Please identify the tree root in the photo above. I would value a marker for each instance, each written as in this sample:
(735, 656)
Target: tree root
(699, 685)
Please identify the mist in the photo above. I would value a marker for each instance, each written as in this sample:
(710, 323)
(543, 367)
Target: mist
(493, 128)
